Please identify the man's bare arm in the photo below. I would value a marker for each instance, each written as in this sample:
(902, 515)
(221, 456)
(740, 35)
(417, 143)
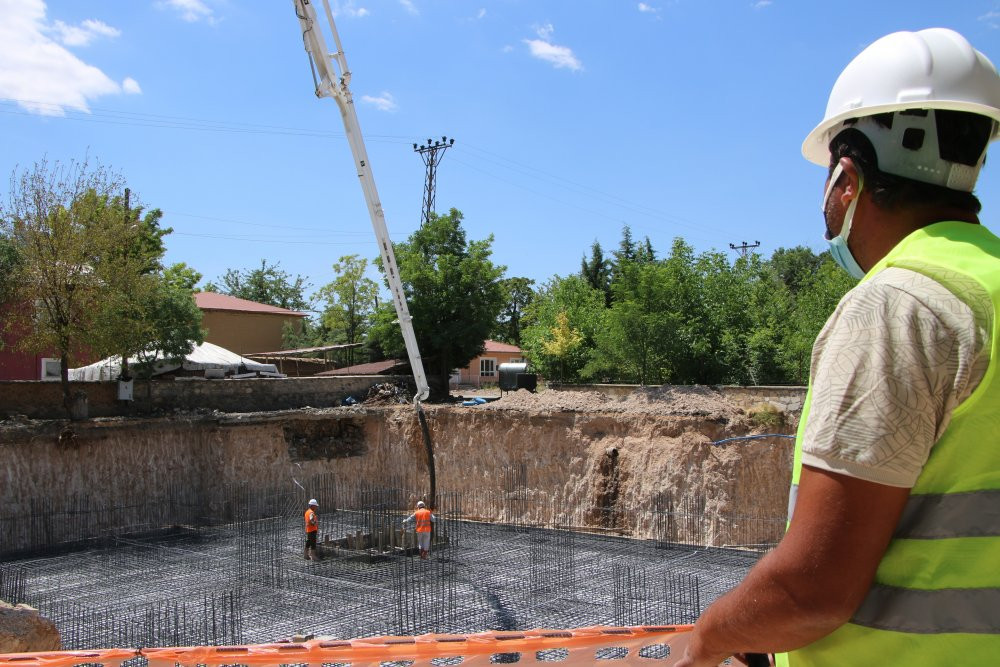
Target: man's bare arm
(814, 579)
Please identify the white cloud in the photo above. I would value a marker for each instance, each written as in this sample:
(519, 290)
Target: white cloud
(83, 34)
(482, 13)
(543, 49)
(991, 18)
(544, 31)
(191, 11)
(348, 8)
(648, 9)
(409, 6)
(131, 87)
(761, 4)
(42, 74)
(384, 102)
(559, 56)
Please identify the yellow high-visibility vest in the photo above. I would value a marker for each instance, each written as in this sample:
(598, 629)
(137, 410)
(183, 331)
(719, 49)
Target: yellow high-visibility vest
(936, 595)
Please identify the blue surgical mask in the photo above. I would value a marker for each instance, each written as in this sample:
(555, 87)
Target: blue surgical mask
(838, 245)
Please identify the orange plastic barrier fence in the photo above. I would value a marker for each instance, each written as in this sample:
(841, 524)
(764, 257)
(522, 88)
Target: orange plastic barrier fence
(652, 646)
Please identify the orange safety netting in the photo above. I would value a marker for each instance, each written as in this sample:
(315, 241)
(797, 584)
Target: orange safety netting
(652, 646)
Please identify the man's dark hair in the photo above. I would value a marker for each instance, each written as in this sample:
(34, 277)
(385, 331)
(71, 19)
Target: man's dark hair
(962, 137)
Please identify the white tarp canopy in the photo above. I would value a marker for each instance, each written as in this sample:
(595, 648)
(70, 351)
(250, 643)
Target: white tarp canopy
(202, 357)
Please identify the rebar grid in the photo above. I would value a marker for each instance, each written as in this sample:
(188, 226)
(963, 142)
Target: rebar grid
(244, 579)
(248, 582)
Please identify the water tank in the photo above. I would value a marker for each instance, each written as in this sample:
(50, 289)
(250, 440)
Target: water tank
(508, 375)
(514, 376)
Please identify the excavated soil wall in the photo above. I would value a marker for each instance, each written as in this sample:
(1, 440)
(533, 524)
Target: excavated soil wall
(580, 460)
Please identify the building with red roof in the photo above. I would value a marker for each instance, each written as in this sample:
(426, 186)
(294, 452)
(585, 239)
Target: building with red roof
(243, 326)
(484, 368)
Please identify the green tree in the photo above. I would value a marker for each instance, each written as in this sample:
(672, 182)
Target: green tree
(638, 341)
(182, 275)
(749, 305)
(597, 271)
(453, 293)
(82, 260)
(132, 273)
(815, 302)
(175, 324)
(351, 299)
(584, 309)
(517, 296)
(795, 266)
(9, 264)
(268, 284)
(563, 342)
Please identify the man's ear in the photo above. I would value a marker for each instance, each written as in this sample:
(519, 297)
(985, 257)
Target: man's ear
(853, 180)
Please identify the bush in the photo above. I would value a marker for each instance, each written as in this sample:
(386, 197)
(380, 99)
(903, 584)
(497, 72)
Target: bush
(767, 415)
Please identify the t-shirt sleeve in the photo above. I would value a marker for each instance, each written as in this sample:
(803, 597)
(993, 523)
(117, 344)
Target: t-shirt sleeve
(897, 356)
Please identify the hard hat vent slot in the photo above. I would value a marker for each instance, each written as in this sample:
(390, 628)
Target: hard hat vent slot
(913, 138)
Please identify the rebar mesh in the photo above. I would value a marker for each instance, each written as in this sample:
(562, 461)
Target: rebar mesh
(243, 578)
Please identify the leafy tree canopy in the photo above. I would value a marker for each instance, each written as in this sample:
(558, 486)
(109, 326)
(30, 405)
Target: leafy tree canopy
(268, 284)
(86, 260)
(517, 295)
(349, 302)
(453, 293)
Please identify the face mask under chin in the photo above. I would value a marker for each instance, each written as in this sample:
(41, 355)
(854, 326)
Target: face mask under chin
(839, 250)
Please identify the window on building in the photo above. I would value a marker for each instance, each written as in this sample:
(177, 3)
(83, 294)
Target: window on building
(487, 368)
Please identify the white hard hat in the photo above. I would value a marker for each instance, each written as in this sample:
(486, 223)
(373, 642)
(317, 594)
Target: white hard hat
(312, 502)
(935, 68)
(420, 503)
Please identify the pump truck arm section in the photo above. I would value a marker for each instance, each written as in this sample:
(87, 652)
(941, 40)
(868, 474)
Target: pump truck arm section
(329, 83)
(325, 67)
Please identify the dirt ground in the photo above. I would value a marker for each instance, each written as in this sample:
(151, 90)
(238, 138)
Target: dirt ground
(698, 401)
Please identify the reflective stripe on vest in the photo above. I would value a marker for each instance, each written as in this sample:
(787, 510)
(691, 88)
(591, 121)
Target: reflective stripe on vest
(937, 516)
(936, 594)
(312, 525)
(423, 517)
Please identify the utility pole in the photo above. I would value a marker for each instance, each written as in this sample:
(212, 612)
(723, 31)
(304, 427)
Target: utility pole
(431, 154)
(744, 247)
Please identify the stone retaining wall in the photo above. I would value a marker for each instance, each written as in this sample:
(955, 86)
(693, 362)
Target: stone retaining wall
(43, 400)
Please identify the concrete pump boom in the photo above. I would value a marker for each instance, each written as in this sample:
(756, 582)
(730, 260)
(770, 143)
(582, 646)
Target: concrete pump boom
(325, 66)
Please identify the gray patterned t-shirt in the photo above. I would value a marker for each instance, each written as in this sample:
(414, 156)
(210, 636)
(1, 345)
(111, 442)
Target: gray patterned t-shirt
(897, 356)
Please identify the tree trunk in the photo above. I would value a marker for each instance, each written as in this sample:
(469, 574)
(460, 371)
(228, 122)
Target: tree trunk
(64, 380)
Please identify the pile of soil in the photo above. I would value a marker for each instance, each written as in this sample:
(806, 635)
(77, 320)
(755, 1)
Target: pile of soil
(387, 393)
(698, 401)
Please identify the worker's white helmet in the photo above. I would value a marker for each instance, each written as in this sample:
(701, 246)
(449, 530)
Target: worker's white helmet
(420, 503)
(932, 69)
(313, 503)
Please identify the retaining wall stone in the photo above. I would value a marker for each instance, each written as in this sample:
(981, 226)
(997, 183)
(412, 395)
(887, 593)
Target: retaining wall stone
(43, 400)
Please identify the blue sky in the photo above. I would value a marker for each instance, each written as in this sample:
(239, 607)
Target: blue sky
(571, 119)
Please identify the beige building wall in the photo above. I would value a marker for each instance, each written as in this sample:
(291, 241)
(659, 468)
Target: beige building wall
(246, 333)
(485, 369)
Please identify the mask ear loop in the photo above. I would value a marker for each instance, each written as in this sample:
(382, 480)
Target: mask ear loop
(845, 229)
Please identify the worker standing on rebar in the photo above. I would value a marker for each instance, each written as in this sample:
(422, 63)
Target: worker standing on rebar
(891, 552)
(312, 530)
(423, 518)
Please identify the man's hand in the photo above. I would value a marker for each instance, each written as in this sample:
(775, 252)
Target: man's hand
(691, 659)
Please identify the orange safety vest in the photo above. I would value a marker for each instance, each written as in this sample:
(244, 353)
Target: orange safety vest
(423, 517)
(312, 525)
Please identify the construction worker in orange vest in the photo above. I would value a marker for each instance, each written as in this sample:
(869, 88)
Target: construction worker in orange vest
(312, 530)
(423, 518)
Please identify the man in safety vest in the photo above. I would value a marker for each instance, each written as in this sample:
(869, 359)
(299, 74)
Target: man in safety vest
(312, 530)
(423, 518)
(892, 553)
